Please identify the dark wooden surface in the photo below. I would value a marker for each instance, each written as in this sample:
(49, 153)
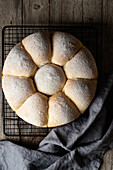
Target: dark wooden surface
(33, 12)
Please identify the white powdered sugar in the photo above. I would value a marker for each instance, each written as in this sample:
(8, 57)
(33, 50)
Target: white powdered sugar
(19, 63)
(50, 79)
(64, 47)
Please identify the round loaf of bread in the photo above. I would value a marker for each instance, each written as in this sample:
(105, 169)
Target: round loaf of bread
(49, 79)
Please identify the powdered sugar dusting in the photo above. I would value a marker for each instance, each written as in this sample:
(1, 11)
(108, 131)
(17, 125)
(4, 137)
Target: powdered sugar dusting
(38, 46)
(82, 65)
(19, 63)
(50, 79)
(17, 90)
(34, 110)
(61, 110)
(81, 92)
(64, 46)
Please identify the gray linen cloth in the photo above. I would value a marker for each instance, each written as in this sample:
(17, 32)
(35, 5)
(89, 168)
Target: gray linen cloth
(80, 144)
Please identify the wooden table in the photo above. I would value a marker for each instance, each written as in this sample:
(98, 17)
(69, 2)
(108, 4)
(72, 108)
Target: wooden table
(33, 12)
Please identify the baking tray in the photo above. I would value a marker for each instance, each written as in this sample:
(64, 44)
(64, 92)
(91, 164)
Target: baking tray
(11, 35)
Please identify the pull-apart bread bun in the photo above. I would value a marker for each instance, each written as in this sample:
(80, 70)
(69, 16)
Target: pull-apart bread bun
(82, 65)
(64, 47)
(49, 79)
(35, 110)
(17, 90)
(61, 110)
(19, 63)
(39, 47)
(81, 92)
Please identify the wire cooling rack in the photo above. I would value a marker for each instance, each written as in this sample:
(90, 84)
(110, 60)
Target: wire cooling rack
(11, 35)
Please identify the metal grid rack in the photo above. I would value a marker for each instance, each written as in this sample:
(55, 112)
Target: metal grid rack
(11, 35)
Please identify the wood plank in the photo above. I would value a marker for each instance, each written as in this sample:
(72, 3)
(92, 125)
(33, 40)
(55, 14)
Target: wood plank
(35, 12)
(107, 36)
(65, 12)
(91, 11)
(99, 13)
(92, 16)
(10, 13)
(107, 59)
(55, 12)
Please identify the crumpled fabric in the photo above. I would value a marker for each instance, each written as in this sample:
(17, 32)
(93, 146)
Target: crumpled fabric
(79, 145)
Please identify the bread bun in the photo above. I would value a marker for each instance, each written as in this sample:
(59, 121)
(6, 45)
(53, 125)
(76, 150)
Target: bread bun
(82, 65)
(49, 79)
(61, 110)
(64, 47)
(39, 47)
(17, 90)
(81, 92)
(34, 110)
(19, 63)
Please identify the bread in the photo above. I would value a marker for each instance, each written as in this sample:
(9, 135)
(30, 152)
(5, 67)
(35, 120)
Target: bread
(19, 63)
(81, 92)
(82, 65)
(39, 47)
(61, 110)
(64, 47)
(17, 90)
(49, 79)
(35, 110)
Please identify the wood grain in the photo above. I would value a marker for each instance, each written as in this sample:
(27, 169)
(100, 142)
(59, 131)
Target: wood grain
(36, 12)
(65, 12)
(107, 60)
(91, 14)
(107, 36)
(92, 11)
